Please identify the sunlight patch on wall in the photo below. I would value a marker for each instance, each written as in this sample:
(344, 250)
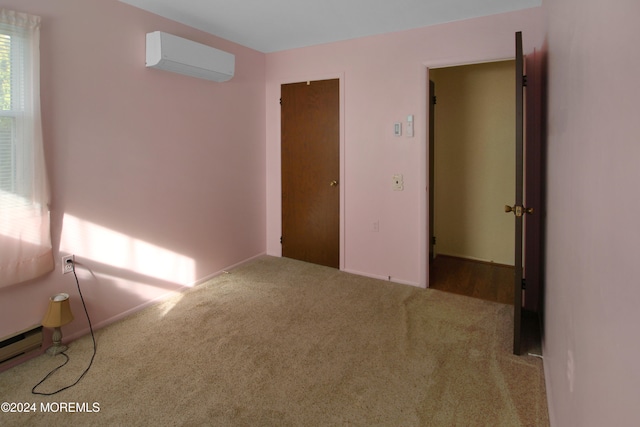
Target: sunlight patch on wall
(115, 249)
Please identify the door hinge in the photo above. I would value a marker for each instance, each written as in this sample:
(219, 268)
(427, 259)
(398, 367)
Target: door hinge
(280, 101)
(434, 100)
(524, 81)
(433, 240)
(524, 284)
(280, 239)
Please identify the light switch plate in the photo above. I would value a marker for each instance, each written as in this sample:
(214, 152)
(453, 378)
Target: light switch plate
(397, 129)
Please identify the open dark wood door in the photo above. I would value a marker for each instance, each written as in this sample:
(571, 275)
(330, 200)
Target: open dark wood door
(432, 107)
(518, 208)
(310, 126)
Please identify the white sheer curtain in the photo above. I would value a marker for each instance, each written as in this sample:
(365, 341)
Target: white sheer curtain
(25, 237)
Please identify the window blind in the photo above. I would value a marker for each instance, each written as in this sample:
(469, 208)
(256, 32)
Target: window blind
(25, 239)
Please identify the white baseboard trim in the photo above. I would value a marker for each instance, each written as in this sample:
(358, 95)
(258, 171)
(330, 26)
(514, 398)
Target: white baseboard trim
(158, 299)
(385, 278)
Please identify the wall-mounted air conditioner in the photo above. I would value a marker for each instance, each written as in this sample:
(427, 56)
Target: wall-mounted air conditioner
(172, 53)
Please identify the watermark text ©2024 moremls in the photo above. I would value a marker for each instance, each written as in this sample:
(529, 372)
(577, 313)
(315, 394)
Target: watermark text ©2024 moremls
(50, 407)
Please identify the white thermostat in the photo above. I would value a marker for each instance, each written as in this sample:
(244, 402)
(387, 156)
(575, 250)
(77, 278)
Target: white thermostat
(410, 125)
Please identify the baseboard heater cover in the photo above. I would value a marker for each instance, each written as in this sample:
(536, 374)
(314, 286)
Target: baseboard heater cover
(20, 343)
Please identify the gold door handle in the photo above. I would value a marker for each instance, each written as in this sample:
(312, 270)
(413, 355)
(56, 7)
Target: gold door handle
(333, 183)
(518, 210)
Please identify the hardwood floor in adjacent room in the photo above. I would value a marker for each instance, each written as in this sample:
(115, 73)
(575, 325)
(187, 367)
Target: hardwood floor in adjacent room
(478, 279)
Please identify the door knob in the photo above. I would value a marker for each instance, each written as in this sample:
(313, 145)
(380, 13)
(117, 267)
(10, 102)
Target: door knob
(333, 183)
(518, 210)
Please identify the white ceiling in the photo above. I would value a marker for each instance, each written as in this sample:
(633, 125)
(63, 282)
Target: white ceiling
(274, 25)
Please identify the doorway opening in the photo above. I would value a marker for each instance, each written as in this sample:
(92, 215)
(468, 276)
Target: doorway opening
(473, 164)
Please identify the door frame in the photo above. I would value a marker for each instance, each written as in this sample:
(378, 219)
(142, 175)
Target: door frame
(343, 184)
(425, 166)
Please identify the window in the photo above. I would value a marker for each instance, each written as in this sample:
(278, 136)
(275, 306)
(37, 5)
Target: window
(25, 241)
(14, 148)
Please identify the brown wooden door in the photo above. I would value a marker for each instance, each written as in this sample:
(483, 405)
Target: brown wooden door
(529, 192)
(432, 143)
(518, 208)
(310, 126)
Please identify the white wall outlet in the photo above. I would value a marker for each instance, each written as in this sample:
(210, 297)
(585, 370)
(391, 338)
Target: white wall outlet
(67, 264)
(375, 227)
(397, 129)
(398, 182)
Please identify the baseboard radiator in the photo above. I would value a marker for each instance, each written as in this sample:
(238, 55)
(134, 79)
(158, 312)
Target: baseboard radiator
(20, 343)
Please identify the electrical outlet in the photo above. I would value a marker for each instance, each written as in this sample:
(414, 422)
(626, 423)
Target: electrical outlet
(398, 182)
(67, 264)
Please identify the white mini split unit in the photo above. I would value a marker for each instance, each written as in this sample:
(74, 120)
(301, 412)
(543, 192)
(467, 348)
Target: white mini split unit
(172, 53)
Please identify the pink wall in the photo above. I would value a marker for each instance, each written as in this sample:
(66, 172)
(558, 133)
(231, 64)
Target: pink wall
(157, 178)
(593, 237)
(383, 81)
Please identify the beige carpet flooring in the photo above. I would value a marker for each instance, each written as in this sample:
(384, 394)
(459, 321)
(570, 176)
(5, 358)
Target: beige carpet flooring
(278, 342)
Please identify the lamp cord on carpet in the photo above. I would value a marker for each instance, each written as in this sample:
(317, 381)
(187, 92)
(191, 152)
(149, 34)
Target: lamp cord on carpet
(33, 390)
